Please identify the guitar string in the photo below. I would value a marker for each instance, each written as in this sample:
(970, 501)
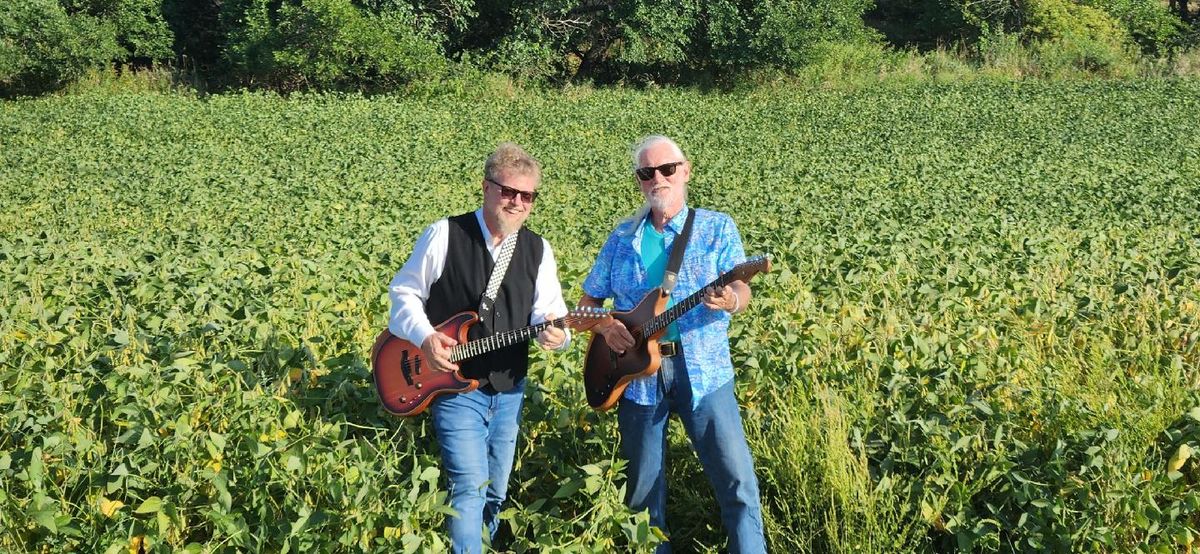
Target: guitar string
(506, 338)
(654, 324)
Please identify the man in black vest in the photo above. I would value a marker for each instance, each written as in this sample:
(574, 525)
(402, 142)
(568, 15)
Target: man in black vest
(450, 271)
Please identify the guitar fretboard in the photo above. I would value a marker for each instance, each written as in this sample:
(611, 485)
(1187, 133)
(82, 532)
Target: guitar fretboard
(500, 340)
(742, 272)
(661, 321)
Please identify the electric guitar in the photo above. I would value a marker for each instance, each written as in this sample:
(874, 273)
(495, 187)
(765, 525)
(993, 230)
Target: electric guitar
(406, 382)
(607, 373)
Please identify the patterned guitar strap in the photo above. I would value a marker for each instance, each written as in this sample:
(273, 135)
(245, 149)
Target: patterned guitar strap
(500, 380)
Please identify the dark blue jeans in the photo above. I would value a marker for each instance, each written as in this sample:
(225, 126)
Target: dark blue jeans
(715, 430)
(477, 432)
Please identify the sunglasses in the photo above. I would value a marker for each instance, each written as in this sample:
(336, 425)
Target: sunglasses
(509, 193)
(647, 173)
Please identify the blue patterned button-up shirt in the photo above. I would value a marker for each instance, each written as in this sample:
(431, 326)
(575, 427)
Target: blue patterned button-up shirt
(715, 247)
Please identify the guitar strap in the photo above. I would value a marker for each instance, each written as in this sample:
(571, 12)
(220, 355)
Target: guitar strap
(498, 270)
(672, 273)
(500, 381)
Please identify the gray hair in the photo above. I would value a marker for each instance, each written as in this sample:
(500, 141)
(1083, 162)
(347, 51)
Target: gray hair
(643, 145)
(639, 148)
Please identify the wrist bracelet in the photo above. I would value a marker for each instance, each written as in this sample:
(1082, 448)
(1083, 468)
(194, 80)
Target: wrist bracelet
(737, 302)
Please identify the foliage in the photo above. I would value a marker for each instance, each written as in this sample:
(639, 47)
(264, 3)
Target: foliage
(1069, 25)
(393, 45)
(328, 44)
(198, 30)
(331, 42)
(42, 47)
(1051, 20)
(666, 40)
(138, 25)
(47, 44)
(1155, 29)
(982, 332)
(922, 23)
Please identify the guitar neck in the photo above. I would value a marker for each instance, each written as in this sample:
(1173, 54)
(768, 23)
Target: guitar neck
(661, 321)
(500, 340)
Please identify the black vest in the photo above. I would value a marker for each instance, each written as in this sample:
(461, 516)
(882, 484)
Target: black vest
(461, 287)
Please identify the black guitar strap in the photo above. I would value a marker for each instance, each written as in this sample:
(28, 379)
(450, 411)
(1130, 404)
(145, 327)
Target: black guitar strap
(671, 275)
(677, 248)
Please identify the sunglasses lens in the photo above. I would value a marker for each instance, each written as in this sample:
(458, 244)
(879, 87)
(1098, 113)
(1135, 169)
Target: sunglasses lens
(509, 193)
(647, 173)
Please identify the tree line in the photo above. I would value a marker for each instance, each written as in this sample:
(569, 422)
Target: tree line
(385, 44)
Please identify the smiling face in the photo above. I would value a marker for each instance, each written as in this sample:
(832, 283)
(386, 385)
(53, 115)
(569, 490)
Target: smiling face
(505, 206)
(664, 193)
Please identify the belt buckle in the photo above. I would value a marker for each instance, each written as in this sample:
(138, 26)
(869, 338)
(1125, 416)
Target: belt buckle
(668, 349)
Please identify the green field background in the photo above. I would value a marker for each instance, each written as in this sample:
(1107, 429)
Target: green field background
(981, 332)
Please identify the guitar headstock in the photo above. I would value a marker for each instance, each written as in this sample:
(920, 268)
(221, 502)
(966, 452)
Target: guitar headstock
(746, 270)
(585, 317)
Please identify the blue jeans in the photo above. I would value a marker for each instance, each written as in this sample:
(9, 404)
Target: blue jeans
(715, 430)
(477, 432)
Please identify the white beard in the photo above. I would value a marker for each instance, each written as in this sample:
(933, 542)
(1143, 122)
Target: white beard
(658, 202)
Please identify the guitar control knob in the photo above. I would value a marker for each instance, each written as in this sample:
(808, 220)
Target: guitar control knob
(403, 399)
(419, 385)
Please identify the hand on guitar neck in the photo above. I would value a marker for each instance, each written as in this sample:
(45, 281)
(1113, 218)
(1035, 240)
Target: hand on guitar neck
(437, 346)
(731, 298)
(552, 337)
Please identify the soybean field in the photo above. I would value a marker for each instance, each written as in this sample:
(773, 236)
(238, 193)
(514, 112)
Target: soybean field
(981, 332)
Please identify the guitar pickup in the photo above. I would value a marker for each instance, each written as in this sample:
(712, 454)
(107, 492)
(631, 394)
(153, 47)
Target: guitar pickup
(407, 366)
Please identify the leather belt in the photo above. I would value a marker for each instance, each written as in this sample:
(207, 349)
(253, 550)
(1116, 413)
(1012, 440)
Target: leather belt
(668, 349)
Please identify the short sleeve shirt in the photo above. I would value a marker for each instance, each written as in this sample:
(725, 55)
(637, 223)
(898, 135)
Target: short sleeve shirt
(619, 273)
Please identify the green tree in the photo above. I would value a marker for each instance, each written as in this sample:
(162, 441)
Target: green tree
(329, 43)
(612, 40)
(139, 26)
(928, 23)
(199, 33)
(43, 47)
(1150, 23)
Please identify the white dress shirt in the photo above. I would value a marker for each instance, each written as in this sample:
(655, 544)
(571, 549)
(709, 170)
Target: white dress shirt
(409, 289)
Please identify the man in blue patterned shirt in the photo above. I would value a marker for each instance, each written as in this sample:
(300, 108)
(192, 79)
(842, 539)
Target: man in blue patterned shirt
(695, 379)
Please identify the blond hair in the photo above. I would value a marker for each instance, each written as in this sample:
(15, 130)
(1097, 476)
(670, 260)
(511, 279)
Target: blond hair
(509, 157)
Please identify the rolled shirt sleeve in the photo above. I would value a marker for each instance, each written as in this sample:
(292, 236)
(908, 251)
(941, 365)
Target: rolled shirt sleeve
(547, 292)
